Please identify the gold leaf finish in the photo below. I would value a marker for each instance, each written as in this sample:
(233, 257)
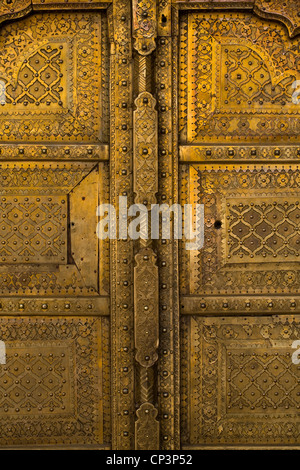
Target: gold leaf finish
(238, 118)
(53, 389)
(240, 386)
(244, 69)
(140, 344)
(53, 78)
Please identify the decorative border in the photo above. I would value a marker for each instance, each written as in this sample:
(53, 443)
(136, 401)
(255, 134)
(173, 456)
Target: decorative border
(145, 187)
(207, 153)
(285, 11)
(144, 26)
(166, 90)
(19, 8)
(122, 261)
(212, 305)
(122, 252)
(25, 152)
(204, 381)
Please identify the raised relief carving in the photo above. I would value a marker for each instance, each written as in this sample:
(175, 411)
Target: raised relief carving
(145, 187)
(53, 388)
(288, 12)
(47, 212)
(243, 71)
(122, 313)
(147, 428)
(144, 26)
(146, 311)
(262, 229)
(11, 9)
(33, 229)
(252, 240)
(51, 65)
(243, 391)
(190, 153)
(166, 72)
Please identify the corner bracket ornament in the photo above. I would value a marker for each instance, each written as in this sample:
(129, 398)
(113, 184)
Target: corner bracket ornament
(144, 26)
(287, 12)
(147, 428)
(11, 9)
(146, 312)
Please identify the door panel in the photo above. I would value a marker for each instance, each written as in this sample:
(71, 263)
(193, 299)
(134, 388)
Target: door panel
(217, 82)
(54, 272)
(53, 75)
(55, 385)
(251, 226)
(237, 77)
(238, 127)
(46, 217)
(239, 387)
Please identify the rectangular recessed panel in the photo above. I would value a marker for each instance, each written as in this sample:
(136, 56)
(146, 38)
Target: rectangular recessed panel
(251, 229)
(33, 229)
(239, 383)
(48, 240)
(54, 386)
(55, 379)
(262, 229)
(38, 384)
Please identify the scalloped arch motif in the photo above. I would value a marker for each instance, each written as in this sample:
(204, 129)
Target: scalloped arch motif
(288, 12)
(11, 9)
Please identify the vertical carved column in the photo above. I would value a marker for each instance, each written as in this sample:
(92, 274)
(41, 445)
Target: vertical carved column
(146, 283)
(144, 26)
(166, 94)
(122, 260)
(145, 150)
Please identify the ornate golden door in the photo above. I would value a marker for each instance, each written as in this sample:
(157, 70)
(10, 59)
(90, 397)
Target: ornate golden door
(54, 273)
(238, 126)
(126, 344)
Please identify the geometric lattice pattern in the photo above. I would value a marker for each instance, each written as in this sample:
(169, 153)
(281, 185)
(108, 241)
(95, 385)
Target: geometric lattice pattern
(239, 384)
(260, 227)
(248, 79)
(54, 77)
(36, 383)
(40, 79)
(260, 381)
(43, 249)
(54, 381)
(236, 79)
(252, 237)
(33, 229)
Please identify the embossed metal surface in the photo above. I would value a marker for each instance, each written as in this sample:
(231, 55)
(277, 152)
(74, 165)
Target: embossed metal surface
(240, 294)
(161, 101)
(54, 272)
(54, 387)
(45, 212)
(54, 78)
(239, 385)
(237, 76)
(255, 247)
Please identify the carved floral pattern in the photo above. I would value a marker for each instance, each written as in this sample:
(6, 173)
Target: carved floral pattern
(244, 72)
(243, 391)
(51, 383)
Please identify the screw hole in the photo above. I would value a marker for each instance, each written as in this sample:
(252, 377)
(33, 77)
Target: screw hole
(218, 224)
